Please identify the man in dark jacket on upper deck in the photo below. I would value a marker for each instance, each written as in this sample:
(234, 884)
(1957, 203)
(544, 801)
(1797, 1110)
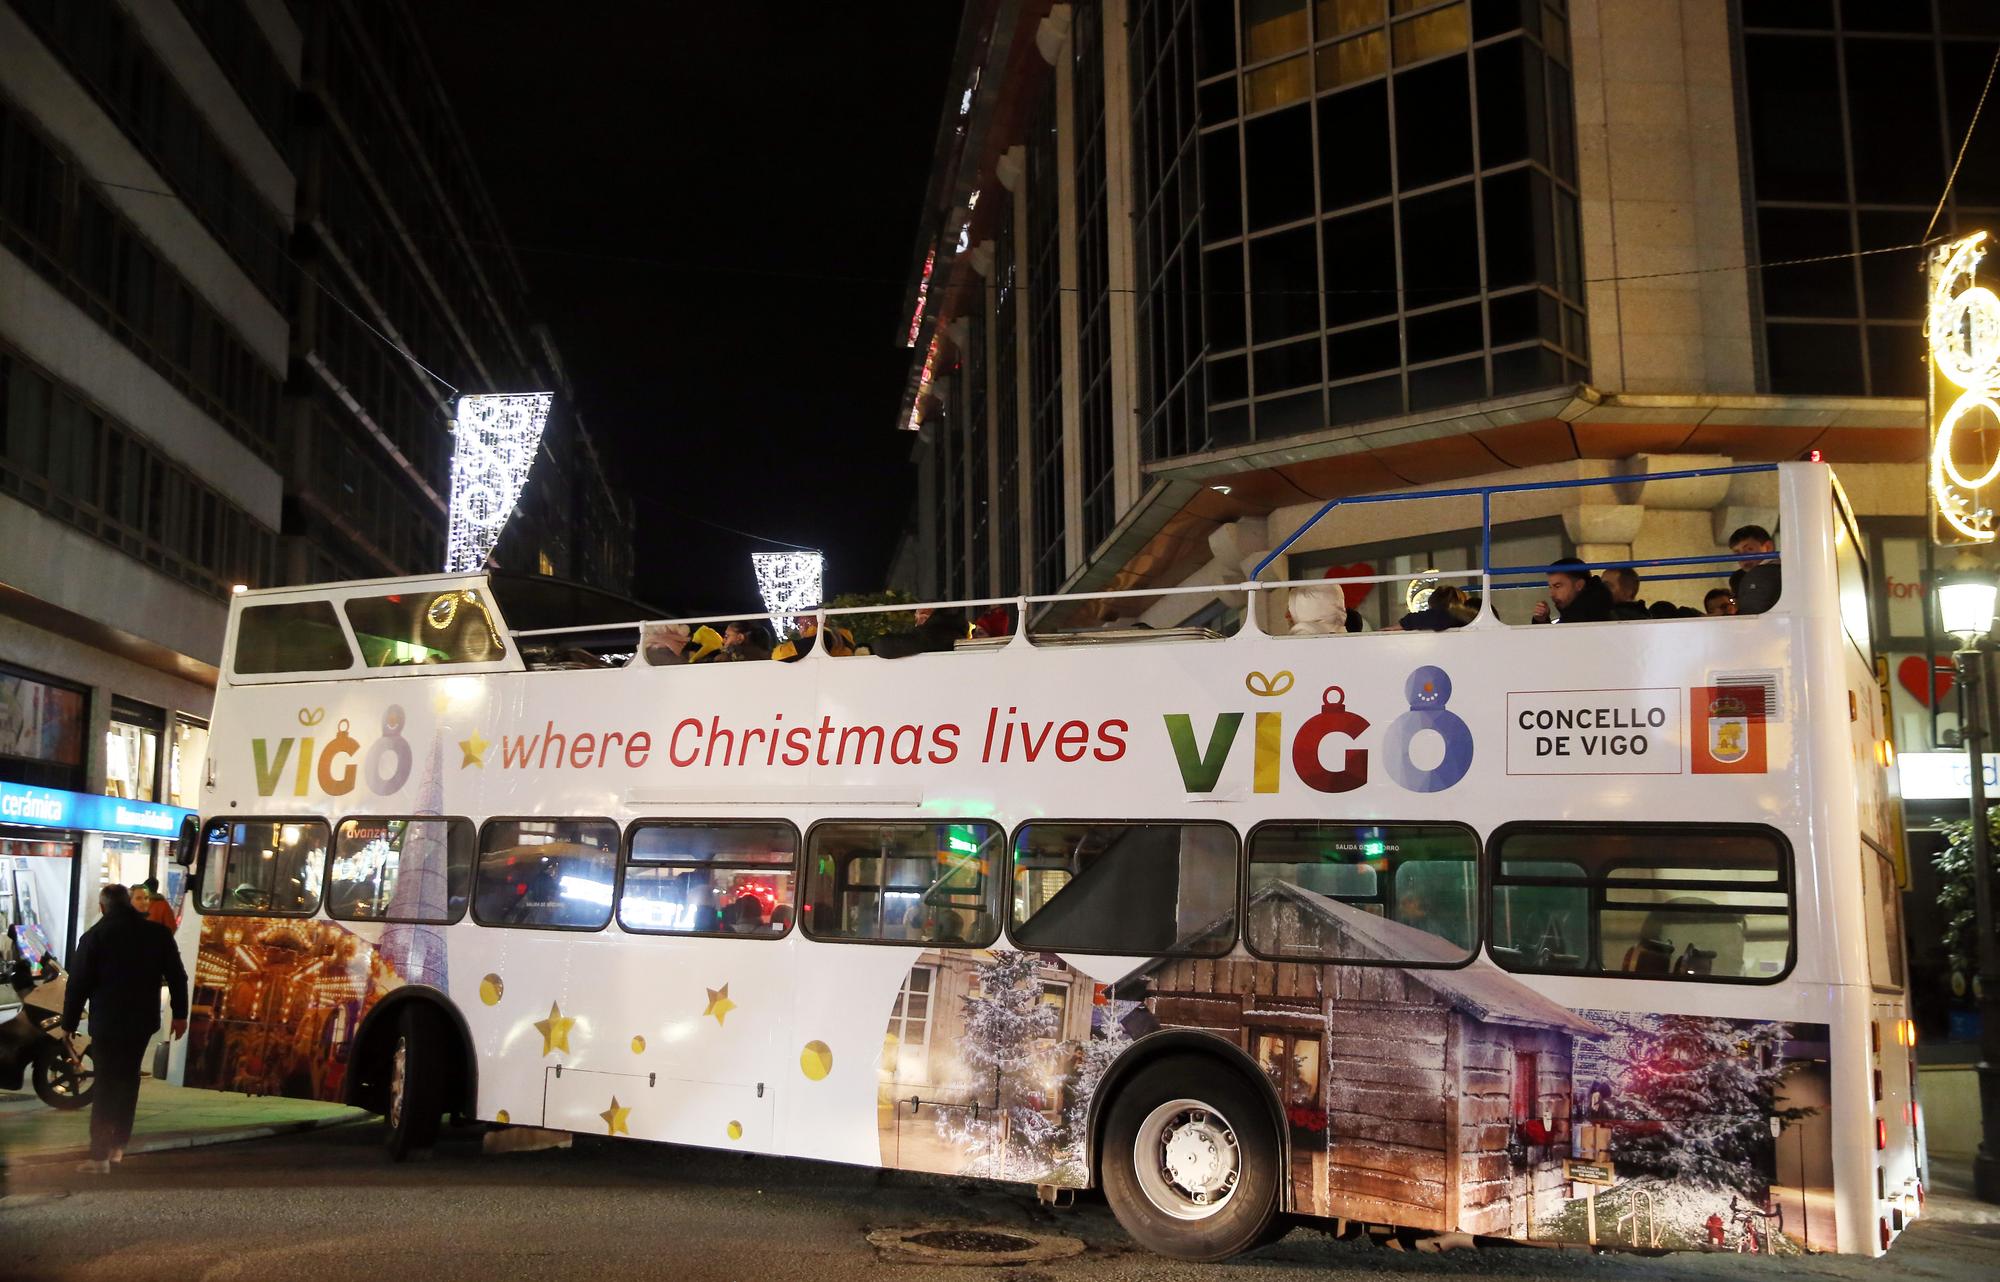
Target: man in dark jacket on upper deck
(119, 966)
(1579, 595)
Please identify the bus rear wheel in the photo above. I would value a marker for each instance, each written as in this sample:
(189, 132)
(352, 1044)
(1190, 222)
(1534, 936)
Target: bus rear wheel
(1191, 1160)
(415, 1087)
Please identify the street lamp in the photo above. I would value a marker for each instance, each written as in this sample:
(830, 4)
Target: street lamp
(1965, 608)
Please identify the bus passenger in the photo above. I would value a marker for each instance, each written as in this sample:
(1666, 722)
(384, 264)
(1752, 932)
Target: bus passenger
(1445, 610)
(1578, 595)
(1719, 601)
(1758, 583)
(666, 644)
(937, 632)
(744, 641)
(1318, 609)
(1623, 584)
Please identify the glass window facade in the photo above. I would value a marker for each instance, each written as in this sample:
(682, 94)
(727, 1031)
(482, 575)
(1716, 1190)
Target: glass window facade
(977, 429)
(62, 226)
(1855, 114)
(61, 455)
(1045, 393)
(1093, 253)
(1007, 405)
(102, 45)
(1386, 212)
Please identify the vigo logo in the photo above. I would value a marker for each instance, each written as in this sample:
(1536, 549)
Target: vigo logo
(385, 767)
(1427, 691)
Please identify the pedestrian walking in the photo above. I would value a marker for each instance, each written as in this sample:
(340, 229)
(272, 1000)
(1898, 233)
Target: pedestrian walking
(119, 966)
(157, 907)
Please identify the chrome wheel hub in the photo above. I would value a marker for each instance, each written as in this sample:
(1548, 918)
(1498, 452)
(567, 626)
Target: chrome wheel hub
(1187, 1159)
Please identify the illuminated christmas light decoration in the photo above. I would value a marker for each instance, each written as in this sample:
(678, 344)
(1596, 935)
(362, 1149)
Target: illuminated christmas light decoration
(964, 238)
(923, 296)
(923, 388)
(972, 202)
(494, 446)
(1963, 327)
(790, 583)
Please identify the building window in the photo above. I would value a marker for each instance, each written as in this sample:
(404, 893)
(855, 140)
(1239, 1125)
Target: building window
(1007, 407)
(1168, 204)
(1388, 215)
(132, 751)
(1855, 116)
(910, 1024)
(977, 434)
(41, 731)
(1045, 397)
(1093, 251)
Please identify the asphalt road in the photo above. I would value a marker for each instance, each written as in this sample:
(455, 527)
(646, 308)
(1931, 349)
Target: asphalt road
(329, 1205)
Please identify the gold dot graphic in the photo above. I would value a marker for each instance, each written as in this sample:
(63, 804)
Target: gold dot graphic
(501, 1116)
(816, 1060)
(736, 1130)
(491, 990)
(638, 1046)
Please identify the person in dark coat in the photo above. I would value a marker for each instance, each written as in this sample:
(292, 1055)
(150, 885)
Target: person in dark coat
(937, 632)
(1445, 610)
(1760, 582)
(119, 966)
(1578, 595)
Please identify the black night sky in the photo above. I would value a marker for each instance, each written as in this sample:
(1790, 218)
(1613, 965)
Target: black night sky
(715, 207)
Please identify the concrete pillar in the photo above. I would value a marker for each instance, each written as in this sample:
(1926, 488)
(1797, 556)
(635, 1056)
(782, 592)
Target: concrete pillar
(1070, 305)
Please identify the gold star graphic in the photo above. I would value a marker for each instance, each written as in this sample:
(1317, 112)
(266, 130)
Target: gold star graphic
(474, 750)
(554, 1030)
(614, 1118)
(719, 1003)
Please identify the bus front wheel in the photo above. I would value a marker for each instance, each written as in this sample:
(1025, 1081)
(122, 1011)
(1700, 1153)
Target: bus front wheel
(1191, 1160)
(415, 1087)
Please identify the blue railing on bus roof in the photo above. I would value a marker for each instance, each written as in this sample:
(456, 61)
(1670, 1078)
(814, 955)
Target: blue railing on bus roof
(1485, 495)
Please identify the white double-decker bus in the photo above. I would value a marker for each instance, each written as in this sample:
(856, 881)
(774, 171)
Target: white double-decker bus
(1583, 933)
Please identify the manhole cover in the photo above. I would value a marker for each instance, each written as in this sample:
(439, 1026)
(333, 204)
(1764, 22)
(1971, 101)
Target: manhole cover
(972, 1244)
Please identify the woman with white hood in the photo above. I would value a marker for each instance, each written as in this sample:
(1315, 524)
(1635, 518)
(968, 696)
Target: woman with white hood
(1318, 609)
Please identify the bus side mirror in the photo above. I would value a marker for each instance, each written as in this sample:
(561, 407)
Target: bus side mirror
(184, 845)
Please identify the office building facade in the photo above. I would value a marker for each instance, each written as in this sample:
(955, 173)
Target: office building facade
(1190, 268)
(212, 212)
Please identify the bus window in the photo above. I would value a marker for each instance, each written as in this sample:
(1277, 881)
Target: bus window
(1641, 900)
(415, 869)
(414, 628)
(302, 636)
(1133, 889)
(550, 873)
(1403, 893)
(262, 867)
(904, 882)
(709, 879)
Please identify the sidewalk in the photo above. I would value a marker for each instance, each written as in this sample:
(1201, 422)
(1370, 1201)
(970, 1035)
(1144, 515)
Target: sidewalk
(169, 1117)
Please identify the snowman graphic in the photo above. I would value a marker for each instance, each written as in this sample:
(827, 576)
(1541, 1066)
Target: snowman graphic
(1427, 691)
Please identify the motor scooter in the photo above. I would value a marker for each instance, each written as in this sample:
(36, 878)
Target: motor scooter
(32, 1042)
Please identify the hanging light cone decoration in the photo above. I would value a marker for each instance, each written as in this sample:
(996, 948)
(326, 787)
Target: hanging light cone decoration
(790, 583)
(494, 446)
(1963, 326)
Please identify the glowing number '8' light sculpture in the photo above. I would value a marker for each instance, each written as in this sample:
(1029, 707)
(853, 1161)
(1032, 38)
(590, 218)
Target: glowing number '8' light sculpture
(1964, 331)
(790, 583)
(493, 448)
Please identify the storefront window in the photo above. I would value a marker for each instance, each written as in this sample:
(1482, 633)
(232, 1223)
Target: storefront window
(41, 732)
(132, 755)
(187, 750)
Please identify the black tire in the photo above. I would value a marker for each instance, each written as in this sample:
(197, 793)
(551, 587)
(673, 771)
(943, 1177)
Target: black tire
(1226, 1150)
(414, 1089)
(59, 1085)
